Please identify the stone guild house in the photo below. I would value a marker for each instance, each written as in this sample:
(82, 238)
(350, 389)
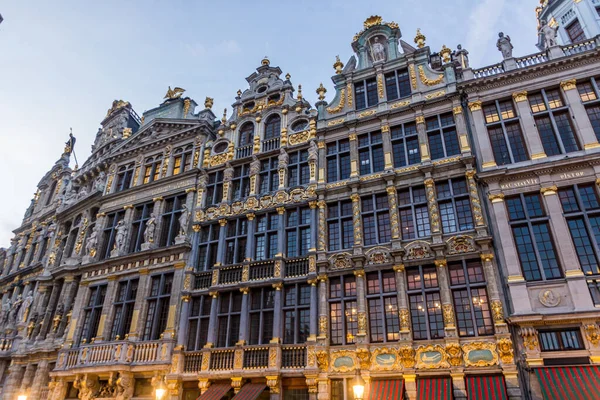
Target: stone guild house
(432, 232)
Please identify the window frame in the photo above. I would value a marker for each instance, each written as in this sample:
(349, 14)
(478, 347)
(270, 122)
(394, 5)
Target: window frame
(265, 312)
(212, 247)
(345, 225)
(138, 226)
(299, 310)
(448, 135)
(363, 99)
(507, 140)
(198, 324)
(156, 320)
(123, 308)
(298, 170)
(299, 230)
(270, 246)
(152, 167)
(235, 236)
(371, 158)
(557, 333)
(453, 199)
(349, 326)
(124, 177)
(423, 291)
(182, 159)
(231, 337)
(400, 143)
(338, 152)
(240, 182)
(382, 234)
(592, 106)
(214, 188)
(170, 220)
(109, 233)
(414, 210)
(390, 321)
(269, 173)
(401, 81)
(92, 313)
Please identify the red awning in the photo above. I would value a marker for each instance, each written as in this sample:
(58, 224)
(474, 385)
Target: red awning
(487, 387)
(392, 389)
(434, 389)
(250, 391)
(215, 391)
(574, 383)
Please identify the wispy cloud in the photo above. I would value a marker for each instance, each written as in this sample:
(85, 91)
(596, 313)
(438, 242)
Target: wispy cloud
(482, 22)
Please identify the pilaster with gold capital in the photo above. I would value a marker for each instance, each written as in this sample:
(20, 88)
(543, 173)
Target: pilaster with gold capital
(432, 206)
(322, 226)
(356, 219)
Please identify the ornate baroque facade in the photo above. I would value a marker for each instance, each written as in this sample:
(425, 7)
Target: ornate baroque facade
(434, 227)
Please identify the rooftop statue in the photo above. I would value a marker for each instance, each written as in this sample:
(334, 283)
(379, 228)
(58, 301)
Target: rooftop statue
(377, 50)
(504, 45)
(549, 33)
(174, 93)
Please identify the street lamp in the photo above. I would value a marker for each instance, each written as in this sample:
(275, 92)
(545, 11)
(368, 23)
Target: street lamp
(358, 386)
(160, 391)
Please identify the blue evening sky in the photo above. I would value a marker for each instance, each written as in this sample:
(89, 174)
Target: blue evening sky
(62, 63)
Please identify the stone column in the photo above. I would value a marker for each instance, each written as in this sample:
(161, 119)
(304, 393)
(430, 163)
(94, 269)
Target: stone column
(410, 386)
(244, 317)
(530, 132)
(281, 232)
(76, 323)
(178, 277)
(40, 380)
(49, 311)
(481, 135)
(459, 386)
(221, 248)
(323, 309)
(582, 126)
(212, 322)
(166, 161)
(13, 381)
(157, 210)
(137, 326)
(354, 170)
(387, 146)
(321, 227)
(461, 129)
(250, 240)
(403, 311)
(27, 378)
(361, 306)
(566, 250)
(356, 220)
(434, 215)
(44, 296)
(475, 203)
(314, 227)
(423, 140)
(277, 326)
(393, 206)
(322, 161)
(137, 176)
(108, 315)
(314, 311)
(446, 296)
(182, 331)
(493, 291)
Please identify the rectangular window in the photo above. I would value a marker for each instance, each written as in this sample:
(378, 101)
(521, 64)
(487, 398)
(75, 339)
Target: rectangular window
(141, 215)
(269, 176)
(454, 205)
(124, 178)
(338, 160)
(505, 132)
(561, 340)
(92, 312)
(207, 247)
(152, 168)
(298, 169)
(110, 233)
(230, 308)
(198, 322)
(296, 313)
(414, 214)
(425, 302)
(441, 133)
(471, 306)
(170, 220)
(235, 241)
(297, 231)
(343, 312)
(376, 219)
(382, 301)
(581, 208)
(575, 32)
(262, 303)
(266, 236)
(397, 84)
(182, 160)
(340, 229)
(123, 308)
(533, 239)
(214, 188)
(553, 122)
(158, 306)
(405, 145)
(365, 93)
(587, 90)
(370, 153)
(240, 183)
(594, 286)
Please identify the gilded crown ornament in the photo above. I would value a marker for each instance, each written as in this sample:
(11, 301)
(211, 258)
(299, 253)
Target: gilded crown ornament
(338, 65)
(372, 21)
(420, 39)
(224, 119)
(321, 92)
(288, 76)
(208, 103)
(265, 61)
(446, 54)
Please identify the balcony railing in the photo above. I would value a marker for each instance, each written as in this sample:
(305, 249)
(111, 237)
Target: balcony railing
(202, 280)
(230, 275)
(296, 267)
(262, 270)
(293, 357)
(242, 152)
(580, 47)
(123, 352)
(221, 360)
(270, 144)
(193, 362)
(533, 59)
(256, 357)
(488, 71)
(6, 344)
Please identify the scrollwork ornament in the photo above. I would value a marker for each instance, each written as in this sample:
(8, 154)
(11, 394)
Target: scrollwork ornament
(592, 333)
(506, 350)
(480, 362)
(454, 352)
(497, 311)
(448, 313)
(323, 360)
(407, 356)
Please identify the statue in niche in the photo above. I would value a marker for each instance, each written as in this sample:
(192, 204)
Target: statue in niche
(549, 33)
(504, 45)
(203, 178)
(183, 220)
(121, 234)
(228, 173)
(69, 197)
(150, 229)
(377, 50)
(82, 193)
(283, 159)
(24, 311)
(51, 229)
(15, 309)
(313, 151)
(91, 242)
(6, 306)
(254, 166)
(100, 182)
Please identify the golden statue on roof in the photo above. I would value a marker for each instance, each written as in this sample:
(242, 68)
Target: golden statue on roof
(174, 93)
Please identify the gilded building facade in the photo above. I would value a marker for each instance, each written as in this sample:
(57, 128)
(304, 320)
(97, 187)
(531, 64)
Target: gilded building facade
(283, 249)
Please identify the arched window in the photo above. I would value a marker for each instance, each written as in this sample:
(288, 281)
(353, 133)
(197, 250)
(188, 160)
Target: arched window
(246, 134)
(300, 125)
(152, 169)
(51, 193)
(272, 127)
(182, 160)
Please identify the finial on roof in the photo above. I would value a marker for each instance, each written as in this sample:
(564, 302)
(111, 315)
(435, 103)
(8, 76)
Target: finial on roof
(420, 39)
(446, 54)
(288, 76)
(265, 61)
(224, 119)
(239, 92)
(321, 92)
(338, 65)
(299, 92)
(208, 103)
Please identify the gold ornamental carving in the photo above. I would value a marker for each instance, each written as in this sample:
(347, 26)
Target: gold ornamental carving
(299, 138)
(340, 106)
(454, 352)
(496, 198)
(475, 201)
(380, 86)
(384, 359)
(569, 84)
(343, 360)
(349, 94)
(485, 355)
(419, 39)
(238, 359)
(400, 104)
(506, 350)
(367, 113)
(404, 316)
(323, 326)
(429, 82)
(530, 338)
(323, 360)
(364, 357)
(435, 95)
(413, 77)
(432, 206)
(448, 313)
(335, 122)
(273, 357)
(460, 244)
(362, 322)
(475, 105)
(520, 96)
(406, 356)
(431, 357)
(592, 333)
(497, 311)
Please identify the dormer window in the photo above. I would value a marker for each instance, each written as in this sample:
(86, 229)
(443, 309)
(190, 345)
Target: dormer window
(248, 106)
(272, 127)
(246, 134)
(365, 93)
(220, 147)
(182, 160)
(152, 169)
(300, 126)
(124, 177)
(261, 89)
(273, 99)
